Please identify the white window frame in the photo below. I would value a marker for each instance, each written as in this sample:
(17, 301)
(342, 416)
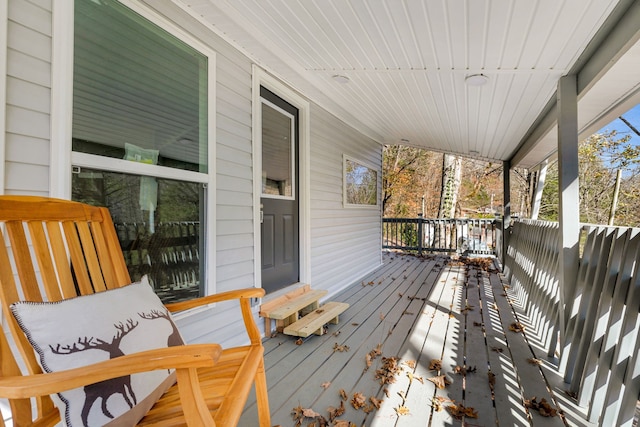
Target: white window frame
(62, 155)
(345, 203)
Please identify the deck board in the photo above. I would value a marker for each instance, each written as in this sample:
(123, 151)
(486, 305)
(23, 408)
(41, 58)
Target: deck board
(416, 309)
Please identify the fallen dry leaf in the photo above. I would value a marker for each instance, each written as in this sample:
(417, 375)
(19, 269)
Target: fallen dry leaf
(497, 349)
(441, 381)
(343, 394)
(299, 341)
(336, 412)
(477, 323)
(492, 380)
(534, 361)
(340, 423)
(358, 400)
(376, 402)
(435, 365)
(543, 407)
(516, 327)
(325, 384)
(402, 410)
(386, 374)
(381, 316)
(309, 413)
(340, 348)
(411, 364)
(458, 411)
(463, 370)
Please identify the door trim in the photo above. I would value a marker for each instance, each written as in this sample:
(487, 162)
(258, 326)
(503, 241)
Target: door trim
(262, 78)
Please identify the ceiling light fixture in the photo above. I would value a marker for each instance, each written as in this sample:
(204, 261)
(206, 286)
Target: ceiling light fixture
(476, 80)
(340, 78)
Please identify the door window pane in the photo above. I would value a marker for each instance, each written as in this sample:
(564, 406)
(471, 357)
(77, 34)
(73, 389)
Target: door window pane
(158, 222)
(137, 89)
(277, 152)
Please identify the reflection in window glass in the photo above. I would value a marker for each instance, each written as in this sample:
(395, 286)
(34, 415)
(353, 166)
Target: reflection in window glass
(361, 184)
(158, 222)
(277, 152)
(137, 86)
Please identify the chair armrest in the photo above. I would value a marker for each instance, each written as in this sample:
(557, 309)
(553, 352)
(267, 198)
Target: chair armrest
(210, 299)
(177, 357)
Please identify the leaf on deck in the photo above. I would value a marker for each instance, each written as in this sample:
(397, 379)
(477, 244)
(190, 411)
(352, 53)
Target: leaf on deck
(492, 380)
(402, 410)
(336, 412)
(386, 374)
(458, 411)
(543, 407)
(411, 364)
(358, 400)
(340, 348)
(516, 327)
(325, 384)
(534, 361)
(435, 365)
(299, 341)
(309, 413)
(376, 402)
(463, 370)
(343, 394)
(441, 381)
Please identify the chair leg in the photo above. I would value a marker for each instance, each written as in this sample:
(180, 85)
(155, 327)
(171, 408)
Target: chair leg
(262, 400)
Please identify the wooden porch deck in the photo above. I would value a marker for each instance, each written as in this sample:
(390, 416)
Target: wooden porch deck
(417, 311)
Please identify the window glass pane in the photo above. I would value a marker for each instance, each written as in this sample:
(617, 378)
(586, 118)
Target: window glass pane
(158, 222)
(277, 155)
(139, 92)
(361, 184)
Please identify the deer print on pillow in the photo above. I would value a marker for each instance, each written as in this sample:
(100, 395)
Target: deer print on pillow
(105, 389)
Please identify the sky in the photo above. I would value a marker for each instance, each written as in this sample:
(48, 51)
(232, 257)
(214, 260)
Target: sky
(633, 117)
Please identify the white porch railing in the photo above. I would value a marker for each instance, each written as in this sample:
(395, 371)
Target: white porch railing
(600, 361)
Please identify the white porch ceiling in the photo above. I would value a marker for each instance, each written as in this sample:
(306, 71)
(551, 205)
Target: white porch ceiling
(406, 61)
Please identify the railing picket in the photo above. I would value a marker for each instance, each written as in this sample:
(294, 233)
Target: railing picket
(602, 341)
(462, 235)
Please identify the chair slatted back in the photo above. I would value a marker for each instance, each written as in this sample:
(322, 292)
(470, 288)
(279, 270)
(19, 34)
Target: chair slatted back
(53, 249)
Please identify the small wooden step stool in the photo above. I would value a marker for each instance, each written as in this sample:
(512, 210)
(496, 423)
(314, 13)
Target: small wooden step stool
(313, 323)
(298, 312)
(288, 308)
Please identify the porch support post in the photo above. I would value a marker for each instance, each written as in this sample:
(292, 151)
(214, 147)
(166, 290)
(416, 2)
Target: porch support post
(506, 208)
(569, 210)
(539, 186)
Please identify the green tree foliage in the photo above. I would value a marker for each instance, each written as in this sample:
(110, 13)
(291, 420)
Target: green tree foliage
(600, 156)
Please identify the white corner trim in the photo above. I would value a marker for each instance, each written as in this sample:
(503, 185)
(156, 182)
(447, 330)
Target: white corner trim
(61, 99)
(262, 78)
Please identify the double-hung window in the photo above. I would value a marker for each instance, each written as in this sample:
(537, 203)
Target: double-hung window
(142, 140)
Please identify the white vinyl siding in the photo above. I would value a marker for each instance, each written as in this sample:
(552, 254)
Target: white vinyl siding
(345, 242)
(28, 95)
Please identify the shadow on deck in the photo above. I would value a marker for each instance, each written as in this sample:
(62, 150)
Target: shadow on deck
(420, 323)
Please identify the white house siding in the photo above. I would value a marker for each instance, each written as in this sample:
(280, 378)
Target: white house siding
(28, 97)
(345, 241)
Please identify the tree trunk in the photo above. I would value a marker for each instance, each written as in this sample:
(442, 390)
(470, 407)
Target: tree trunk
(451, 179)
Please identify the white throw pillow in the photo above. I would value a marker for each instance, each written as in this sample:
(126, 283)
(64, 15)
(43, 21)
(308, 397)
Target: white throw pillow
(87, 329)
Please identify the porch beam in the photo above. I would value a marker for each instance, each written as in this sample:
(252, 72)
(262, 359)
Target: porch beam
(569, 210)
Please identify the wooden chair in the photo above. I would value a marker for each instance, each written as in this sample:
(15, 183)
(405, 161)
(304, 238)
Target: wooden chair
(54, 242)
